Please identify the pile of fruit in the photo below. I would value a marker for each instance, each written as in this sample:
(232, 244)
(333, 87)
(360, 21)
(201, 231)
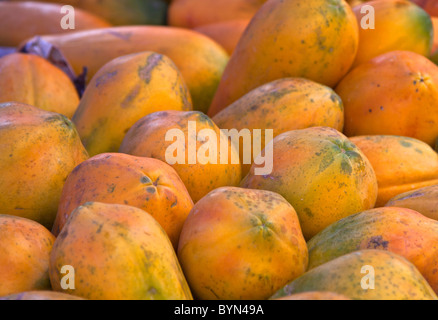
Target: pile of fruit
(94, 94)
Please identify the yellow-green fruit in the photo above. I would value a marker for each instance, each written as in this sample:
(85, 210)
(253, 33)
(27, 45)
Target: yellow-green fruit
(351, 275)
(424, 201)
(321, 173)
(122, 92)
(118, 253)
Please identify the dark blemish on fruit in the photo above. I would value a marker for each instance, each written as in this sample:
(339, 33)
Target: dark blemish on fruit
(405, 143)
(151, 190)
(377, 243)
(309, 212)
(145, 72)
(105, 78)
(146, 180)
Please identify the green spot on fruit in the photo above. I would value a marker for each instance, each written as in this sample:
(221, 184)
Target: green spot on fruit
(405, 143)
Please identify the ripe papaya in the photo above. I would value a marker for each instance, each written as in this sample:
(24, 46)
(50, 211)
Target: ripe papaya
(148, 138)
(195, 13)
(321, 173)
(126, 12)
(401, 164)
(124, 91)
(39, 149)
(200, 59)
(22, 20)
(424, 200)
(282, 105)
(395, 278)
(399, 25)
(148, 184)
(118, 252)
(316, 40)
(240, 244)
(398, 230)
(25, 248)
(32, 80)
(394, 84)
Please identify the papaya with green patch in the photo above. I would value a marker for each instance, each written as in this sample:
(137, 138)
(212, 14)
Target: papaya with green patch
(316, 40)
(149, 138)
(282, 105)
(398, 230)
(424, 200)
(200, 59)
(401, 164)
(321, 173)
(25, 248)
(395, 278)
(399, 25)
(148, 184)
(118, 252)
(39, 149)
(126, 12)
(392, 94)
(22, 20)
(240, 244)
(32, 80)
(124, 91)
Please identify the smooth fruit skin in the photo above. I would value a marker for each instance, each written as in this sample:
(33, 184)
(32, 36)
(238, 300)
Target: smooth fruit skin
(41, 296)
(315, 296)
(39, 149)
(126, 12)
(395, 278)
(424, 200)
(196, 13)
(122, 92)
(32, 80)
(148, 184)
(401, 164)
(45, 19)
(322, 174)
(399, 25)
(395, 84)
(226, 33)
(147, 138)
(283, 105)
(200, 59)
(118, 252)
(24, 255)
(316, 40)
(398, 230)
(241, 244)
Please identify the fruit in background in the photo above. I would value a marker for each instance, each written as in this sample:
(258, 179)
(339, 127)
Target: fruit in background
(431, 6)
(126, 12)
(399, 25)
(322, 174)
(321, 49)
(122, 92)
(21, 20)
(401, 164)
(39, 149)
(32, 80)
(148, 184)
(40, 296)
(241, 244)
(424, 200)
(315, 296)
(396, 278)
(401, 97)
(435, 32)
(283, 105)
(118, 252)
(147, 138)
(227, 33)
(398, 230)
(195, 13)
(200, 59)
(24, 255)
